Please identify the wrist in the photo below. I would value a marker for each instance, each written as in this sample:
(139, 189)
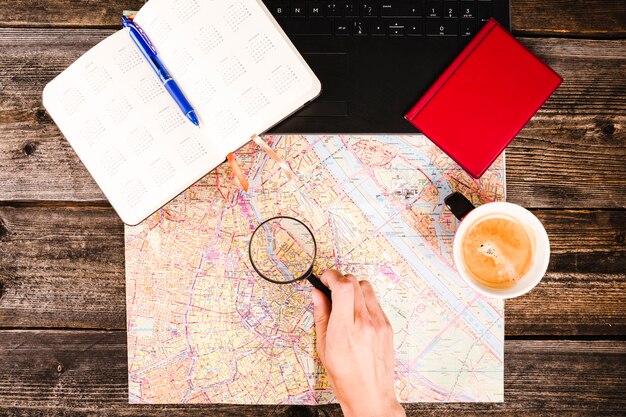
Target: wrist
(393, 409)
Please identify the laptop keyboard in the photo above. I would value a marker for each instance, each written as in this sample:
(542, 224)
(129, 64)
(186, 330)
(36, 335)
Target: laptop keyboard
(381, 18)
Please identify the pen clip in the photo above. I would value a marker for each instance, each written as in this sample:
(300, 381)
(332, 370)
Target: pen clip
(146, 39)
(130, 24)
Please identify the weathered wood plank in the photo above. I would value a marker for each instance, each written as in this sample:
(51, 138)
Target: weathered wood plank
(573, 152)
(73, 373)
(29, 140)
(63, 267)
(573, 147)
(64, 13)
(600, 18)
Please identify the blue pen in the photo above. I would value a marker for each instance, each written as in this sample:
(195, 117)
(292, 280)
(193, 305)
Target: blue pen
(150, 53)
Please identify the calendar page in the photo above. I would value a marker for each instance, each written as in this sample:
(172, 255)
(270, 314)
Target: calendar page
(234, 64)
(238, 68)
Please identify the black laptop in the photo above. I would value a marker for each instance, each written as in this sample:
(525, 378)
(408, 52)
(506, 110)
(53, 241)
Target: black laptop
(376, 58)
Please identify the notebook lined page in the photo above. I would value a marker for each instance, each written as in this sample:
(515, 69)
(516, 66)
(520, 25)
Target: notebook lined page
(127, 130)
(235, 66)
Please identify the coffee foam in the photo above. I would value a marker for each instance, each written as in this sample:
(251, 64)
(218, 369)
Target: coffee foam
(540, 248)
(497, 251)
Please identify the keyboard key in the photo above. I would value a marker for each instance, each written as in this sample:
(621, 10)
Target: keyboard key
(378, 27)
(393, 9)
(350, 10)
(315, 10)
(395, 28)
(307, 27)
(448, 27)
(360, 27)
(433, 9)
(468, 27)
(332, 9)
(369, 9)
(341, 28)
(414, 27)
(416, 9)
(298, 10)
(484, 10)
(382, 17)
(450, 9)
(280, 10)
(468, 9)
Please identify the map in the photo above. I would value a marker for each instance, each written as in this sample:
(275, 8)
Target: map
(204, 328)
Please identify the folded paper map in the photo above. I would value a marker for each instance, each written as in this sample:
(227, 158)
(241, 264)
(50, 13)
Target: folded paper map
(204, 328)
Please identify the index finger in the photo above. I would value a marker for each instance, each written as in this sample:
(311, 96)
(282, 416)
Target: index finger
(342, 291)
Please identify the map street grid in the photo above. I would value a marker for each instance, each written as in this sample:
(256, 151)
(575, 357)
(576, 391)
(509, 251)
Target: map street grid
(204, 328)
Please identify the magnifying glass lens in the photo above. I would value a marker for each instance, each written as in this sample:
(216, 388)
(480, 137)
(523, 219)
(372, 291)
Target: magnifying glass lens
(282, 250)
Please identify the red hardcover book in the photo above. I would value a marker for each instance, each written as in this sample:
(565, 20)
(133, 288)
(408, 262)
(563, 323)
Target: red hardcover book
(484, 98)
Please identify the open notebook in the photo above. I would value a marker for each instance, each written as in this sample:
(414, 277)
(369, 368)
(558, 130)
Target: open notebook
(234, 64)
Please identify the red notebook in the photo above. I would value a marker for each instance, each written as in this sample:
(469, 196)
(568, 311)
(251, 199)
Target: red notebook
(484, 98)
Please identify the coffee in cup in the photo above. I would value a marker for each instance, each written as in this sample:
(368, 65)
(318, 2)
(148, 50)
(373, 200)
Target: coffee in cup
(500, 249)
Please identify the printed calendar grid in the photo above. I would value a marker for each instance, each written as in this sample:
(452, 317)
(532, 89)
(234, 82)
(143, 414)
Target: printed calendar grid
(120, 146)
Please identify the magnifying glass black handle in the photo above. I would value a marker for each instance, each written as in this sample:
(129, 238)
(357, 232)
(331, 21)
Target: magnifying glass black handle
(317, 283)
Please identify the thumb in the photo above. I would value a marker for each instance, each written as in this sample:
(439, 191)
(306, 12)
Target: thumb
(321, 314)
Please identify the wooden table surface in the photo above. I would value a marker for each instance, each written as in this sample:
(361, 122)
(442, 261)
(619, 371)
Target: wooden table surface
(62, 300)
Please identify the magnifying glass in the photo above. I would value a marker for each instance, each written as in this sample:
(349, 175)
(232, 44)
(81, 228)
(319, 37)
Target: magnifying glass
(282, 250)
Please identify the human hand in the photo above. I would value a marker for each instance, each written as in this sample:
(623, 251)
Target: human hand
(355, 344)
